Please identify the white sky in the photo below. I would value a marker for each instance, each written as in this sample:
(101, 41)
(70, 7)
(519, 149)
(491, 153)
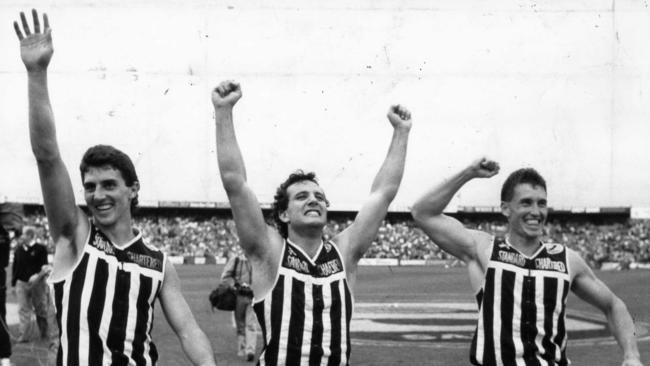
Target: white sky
(560, 86)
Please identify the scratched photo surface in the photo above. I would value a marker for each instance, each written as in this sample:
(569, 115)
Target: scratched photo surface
(560, 86)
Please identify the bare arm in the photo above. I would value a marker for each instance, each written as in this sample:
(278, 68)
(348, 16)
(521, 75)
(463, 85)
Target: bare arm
(358, 237)
(251, 228)
(595, 292)
(445, 231)
(179, 316)
(63, 215)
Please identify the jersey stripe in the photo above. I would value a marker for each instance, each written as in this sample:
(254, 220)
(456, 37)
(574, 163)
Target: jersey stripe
(488, 313)
(98, 295)
(140, 331)
(84, 341)
(345, 323)
(74, 311)
(296, 322)
(335, 316)
(58, 303)
(308, 324)
(506, 305)
(327, 326)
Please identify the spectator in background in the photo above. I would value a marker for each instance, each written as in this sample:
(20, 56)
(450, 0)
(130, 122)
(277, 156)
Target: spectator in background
(5, 341)
(30, 270)
(238, 274)
(596, 243)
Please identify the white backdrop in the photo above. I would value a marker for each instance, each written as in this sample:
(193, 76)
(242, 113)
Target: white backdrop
(563, 87)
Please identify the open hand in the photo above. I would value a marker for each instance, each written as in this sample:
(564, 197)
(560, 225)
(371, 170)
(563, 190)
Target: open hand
(35, 48)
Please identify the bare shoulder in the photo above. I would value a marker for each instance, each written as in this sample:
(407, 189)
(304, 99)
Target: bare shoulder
(265, 263)
(577, 265)
(483, 242)
(350, 260)
(171, 282)
(267, 250)
(340, 239)
(342, 243)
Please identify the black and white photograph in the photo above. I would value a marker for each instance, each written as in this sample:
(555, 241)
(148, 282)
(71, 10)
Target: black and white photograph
(303, 182)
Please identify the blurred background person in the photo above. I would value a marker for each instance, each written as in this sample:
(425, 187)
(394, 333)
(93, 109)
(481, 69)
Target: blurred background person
(237, 273)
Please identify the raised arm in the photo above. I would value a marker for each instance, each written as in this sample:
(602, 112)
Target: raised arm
(358, 237)
(247, 213)
(194, 342)
(595, 292)
(63, 215)
(445, 231)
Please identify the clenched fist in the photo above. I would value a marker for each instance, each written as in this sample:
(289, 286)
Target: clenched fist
(399, 117)
(484, 168)
(226, 94)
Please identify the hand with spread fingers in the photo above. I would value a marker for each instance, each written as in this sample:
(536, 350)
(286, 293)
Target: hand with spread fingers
(35, 48)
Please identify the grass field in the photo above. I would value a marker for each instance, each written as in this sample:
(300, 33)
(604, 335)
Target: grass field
(396, 289)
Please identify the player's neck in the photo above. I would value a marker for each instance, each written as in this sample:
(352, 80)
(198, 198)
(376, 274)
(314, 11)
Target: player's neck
(120, 232)
(527, 245)
(307, 240)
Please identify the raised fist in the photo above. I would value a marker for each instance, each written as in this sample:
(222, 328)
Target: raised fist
(399, 117)
(35, 48)
(226, 94)
(484, 168)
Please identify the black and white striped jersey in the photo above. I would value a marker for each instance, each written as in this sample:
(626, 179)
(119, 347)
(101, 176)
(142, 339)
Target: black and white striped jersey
(522, 304)
(305, 318)
(105, 306)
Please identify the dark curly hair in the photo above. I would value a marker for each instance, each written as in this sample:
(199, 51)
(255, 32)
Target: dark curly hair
(281, 198)
(521, 176)
(105, 155)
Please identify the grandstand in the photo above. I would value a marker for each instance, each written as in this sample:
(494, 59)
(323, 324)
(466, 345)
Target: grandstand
(609, 238)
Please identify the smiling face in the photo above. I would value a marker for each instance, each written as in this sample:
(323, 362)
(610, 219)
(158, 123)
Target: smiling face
(526, 211)
(307, 205)
(107, 195)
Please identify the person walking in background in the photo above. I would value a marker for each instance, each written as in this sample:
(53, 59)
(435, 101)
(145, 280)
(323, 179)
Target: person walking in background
(238, 273)
(29, 271)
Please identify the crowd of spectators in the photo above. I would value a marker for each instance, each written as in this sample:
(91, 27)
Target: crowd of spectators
(185, 235)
